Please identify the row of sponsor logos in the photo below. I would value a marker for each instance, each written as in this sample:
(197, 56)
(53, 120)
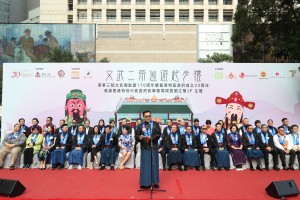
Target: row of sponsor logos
(61, 74)
(292, 74)
(77, 74)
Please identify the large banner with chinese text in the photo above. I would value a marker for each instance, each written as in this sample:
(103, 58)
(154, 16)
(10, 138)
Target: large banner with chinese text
(96, 91)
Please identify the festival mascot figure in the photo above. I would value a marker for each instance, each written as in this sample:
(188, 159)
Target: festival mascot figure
(75, 108)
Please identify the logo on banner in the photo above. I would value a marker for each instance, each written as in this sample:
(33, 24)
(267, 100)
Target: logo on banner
(61, 73)
(38, 75)
(242, 75)
(293, 74)
(277, 75)
(87, 75)
(21, 74)
(263, 75)
(219, 75)
(75, 74)
(231, 76)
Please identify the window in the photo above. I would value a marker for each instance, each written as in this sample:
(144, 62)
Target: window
(154, 2)
(82, 1)
(227, 15)
(198, 15)
(126, 2)
(154, 15)
(70, 19)
(169, 2)
(96, 14)
(212, 2)
(140, 15)
(140, 2)
(183, 15)
(213, 15)
(111, 15)
(82, 14)
(97, 1)
(70, 5)
(183, 2)
(227, 2)
(111, 2)
(198, 2)
(125, 15)
(169, 15)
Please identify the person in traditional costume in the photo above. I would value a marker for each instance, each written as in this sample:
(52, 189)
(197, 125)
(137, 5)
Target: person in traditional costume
(284, 145)
(63, 146)
(220, 148)
(79, 147)
(266, 145)
(33, 146)
(296, 142)
(205, 147)
(49, 145)
(148, 134)
(175, 155)
(126, 146)
(109, 148)
(190, 156)
(251, 148)
(95, 145)
(235, 146)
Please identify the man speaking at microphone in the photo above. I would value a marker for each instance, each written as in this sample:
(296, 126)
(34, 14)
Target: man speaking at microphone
(147, 132)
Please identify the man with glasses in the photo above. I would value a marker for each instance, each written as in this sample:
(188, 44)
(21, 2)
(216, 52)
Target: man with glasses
(148, 132)
(205, 146)
(73, 128)
(284, 145)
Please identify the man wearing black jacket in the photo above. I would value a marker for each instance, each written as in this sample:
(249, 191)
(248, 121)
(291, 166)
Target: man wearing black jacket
(205, 146)
(266, 145)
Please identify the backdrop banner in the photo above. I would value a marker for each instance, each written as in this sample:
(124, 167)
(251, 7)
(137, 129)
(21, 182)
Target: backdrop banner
(187, 91)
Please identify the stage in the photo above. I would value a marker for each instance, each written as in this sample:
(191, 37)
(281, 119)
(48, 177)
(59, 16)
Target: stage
(123, 184)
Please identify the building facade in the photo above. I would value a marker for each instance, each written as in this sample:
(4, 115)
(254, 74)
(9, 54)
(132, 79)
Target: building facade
(138, 11)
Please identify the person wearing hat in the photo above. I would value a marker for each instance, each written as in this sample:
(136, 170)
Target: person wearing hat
(75, 107)
(52, 41)
(27, 43)
(234, 108)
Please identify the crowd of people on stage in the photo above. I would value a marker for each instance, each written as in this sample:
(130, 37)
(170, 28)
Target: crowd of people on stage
(179, 145)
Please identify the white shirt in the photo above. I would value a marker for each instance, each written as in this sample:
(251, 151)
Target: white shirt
(295, 147)
(288, 140)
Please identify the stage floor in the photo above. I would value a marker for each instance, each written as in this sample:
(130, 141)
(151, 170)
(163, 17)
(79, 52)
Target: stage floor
(123, 184)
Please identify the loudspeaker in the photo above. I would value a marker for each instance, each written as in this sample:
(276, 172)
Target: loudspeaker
(11, 188)
(282, 189)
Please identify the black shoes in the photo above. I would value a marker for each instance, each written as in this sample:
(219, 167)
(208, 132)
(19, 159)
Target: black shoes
(285, 168)
(27, 166)
(164, 168)
(219, 168)
(267, 168)
(212, 168)
(180, 168)
(203, 168)
(198, 168)
(156, 186)
(227, 168)
(259, 168)
(276, 168)
(185, 168)
(292, 168)
(112, 168)
(102, 168)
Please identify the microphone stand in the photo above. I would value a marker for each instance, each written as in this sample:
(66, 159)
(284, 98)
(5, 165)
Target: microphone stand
(151, 174)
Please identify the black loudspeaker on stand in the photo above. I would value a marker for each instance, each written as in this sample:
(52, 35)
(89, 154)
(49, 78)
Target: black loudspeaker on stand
(282, 189)
(11, 188)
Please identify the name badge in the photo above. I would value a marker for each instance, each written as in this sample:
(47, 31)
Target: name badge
(51, 137)
(267, 137)
(111, 139)
(270, 131)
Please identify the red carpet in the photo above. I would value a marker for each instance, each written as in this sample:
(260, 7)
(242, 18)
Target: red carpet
(95, 184)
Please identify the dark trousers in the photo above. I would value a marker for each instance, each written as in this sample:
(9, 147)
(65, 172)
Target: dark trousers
(28, 156)
(282, 154)
(298, 156)
(274, 153)
(163, 154)
(212, 156)
(94, 152)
